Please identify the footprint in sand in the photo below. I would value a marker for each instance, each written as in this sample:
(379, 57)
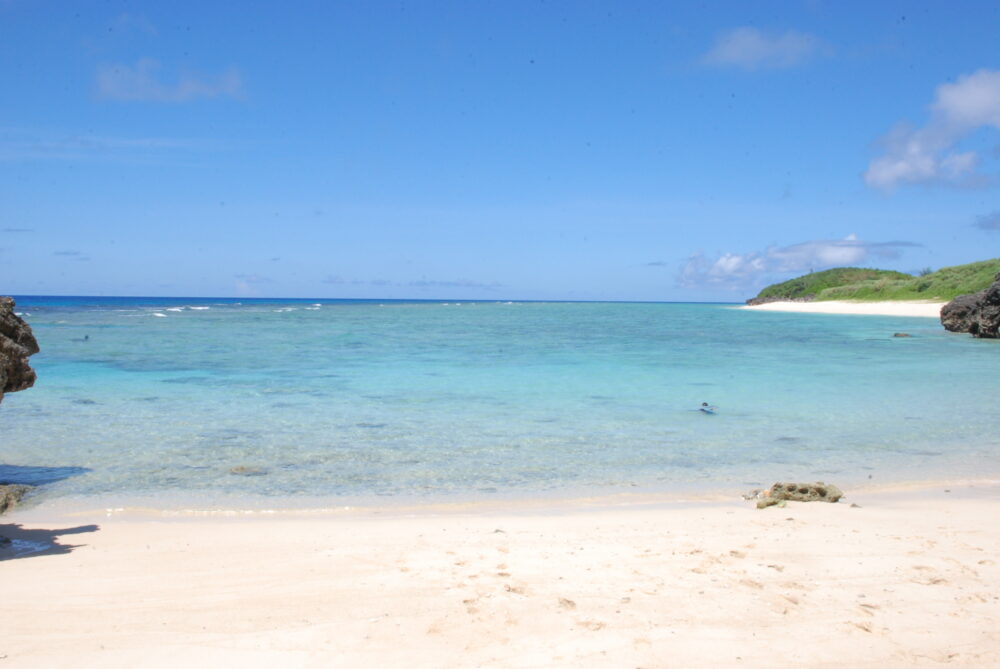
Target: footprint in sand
(965, 570)
(567, 603)
(980, 597)
(930, 579)
(868, 609)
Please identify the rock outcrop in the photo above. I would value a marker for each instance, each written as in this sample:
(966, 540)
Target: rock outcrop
(11, 494)
(795, 492)
(16, 344)
(978, 313)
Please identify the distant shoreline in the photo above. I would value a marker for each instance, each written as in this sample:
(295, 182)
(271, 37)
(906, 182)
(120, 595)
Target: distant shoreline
(918, 308)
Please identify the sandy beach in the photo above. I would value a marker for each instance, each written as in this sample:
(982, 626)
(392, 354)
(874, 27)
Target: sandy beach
(881, 579)
(902, 308)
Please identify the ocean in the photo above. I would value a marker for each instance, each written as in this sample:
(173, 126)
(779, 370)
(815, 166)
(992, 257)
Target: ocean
(202, 402)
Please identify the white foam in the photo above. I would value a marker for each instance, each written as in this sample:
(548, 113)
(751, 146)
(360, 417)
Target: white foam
(159, 315)
(174, 309)
(200, 308)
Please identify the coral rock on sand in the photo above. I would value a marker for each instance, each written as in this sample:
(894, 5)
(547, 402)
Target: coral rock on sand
(10, 495)
(978, 313)
(16, 344)
(798, 492)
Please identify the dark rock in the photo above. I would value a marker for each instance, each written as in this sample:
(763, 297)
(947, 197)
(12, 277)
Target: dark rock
(798, 492)
(16, 344)
(978, 313)
(10, 495)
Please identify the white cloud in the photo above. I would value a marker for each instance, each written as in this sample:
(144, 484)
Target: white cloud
(134, 23)
(742, 271)
(253, 279)
(989, 221)
(458, 283)
(140, 83)
(972, 101)
(249, 285)
(46, 144)
(751, 49)
(75, 255)
(928, 154)
(420, 283)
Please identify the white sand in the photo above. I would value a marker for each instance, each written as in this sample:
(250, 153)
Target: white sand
(906, 308)
(907, 579)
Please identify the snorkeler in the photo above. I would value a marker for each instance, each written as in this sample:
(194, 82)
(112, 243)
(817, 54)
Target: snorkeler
(705, 408)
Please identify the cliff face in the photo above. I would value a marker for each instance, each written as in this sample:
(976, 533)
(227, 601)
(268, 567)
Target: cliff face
(978, 313)
(16, 344)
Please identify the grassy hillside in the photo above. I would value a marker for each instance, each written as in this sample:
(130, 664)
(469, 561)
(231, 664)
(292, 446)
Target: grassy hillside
(853, 284)
(814, 283)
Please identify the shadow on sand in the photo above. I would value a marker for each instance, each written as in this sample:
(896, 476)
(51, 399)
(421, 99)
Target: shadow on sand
(17, 542)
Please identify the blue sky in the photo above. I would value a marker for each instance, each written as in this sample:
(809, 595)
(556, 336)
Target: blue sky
(691, 151)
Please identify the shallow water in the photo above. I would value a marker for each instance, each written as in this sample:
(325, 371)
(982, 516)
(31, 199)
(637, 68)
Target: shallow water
(347, 400)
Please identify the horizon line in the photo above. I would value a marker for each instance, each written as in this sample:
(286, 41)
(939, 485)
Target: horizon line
(17, 296)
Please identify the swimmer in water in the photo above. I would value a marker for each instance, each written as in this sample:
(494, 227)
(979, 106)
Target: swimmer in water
(705, 408)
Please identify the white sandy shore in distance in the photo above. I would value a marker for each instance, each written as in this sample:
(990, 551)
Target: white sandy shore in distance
(907, 578)
(905, 308)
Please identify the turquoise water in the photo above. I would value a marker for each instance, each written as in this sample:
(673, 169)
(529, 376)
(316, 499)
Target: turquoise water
(345, 400)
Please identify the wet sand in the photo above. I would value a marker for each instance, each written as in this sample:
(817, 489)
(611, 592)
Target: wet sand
(905, 578)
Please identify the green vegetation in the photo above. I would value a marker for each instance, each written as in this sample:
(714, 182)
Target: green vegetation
(852, 283)
(814, 283)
